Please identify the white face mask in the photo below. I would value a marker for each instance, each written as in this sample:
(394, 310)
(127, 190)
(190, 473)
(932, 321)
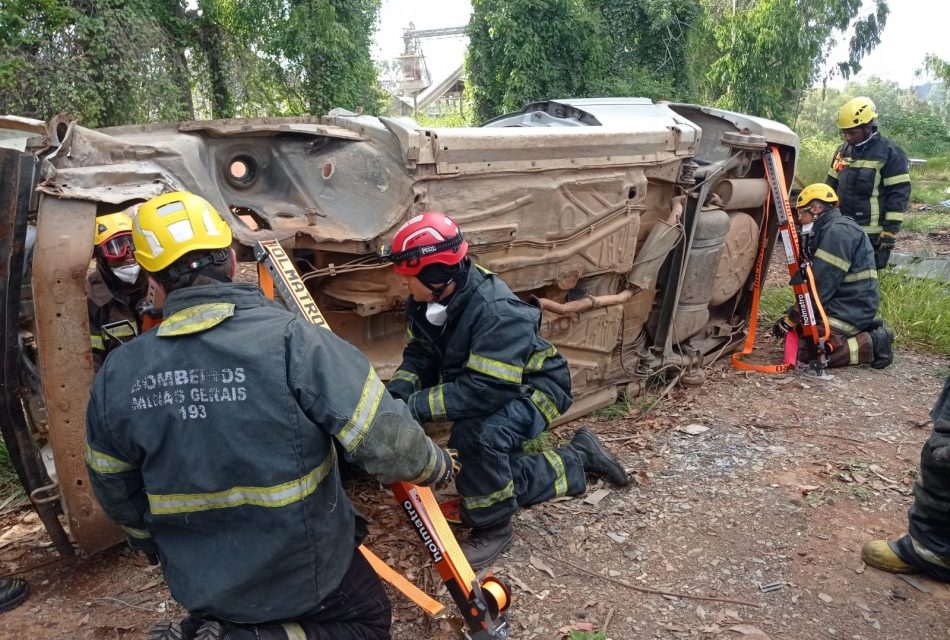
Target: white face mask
(806, 228)
(128, 273)
(435, 314)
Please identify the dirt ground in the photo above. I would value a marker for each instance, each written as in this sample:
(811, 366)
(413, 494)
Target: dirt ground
(753, 496)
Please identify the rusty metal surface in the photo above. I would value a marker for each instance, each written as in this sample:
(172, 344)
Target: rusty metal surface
(562, 211)
(60, 261)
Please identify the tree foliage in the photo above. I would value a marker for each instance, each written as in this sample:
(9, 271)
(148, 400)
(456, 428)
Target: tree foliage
(767, 52)
(525, 50)
(648, 46)
(112, 62)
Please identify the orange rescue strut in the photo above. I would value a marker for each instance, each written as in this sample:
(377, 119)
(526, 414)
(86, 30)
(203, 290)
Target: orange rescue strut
(799, 271)
(482, 604)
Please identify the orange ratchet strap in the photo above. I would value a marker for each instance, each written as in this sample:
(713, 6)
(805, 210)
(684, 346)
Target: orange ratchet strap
(482, 604)
(799, 271)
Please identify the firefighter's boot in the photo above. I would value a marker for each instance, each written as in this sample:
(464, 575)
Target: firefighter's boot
(13, 591)
(596, 459)
(485, 544)
(166, 631)
(882, 340)
(880, 554)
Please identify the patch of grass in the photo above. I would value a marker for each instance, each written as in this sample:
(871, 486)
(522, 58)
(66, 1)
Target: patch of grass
(10, 487)
(918, 310)
(930, 183)
(929, 222)
(814, 158)
(588, 635)
(773, 304)
(632, 407)
(544, 442)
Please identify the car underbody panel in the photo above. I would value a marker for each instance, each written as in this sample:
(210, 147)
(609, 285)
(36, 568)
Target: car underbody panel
(633, 225)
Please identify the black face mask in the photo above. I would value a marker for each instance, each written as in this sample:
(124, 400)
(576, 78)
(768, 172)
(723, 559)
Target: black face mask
(437, 277)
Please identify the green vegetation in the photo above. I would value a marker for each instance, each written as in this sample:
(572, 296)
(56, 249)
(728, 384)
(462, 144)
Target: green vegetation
(123, 61)
(927, 222)
(814, 158)
(545, 442)
(930, 183)
(714, 51)
(10, 488)
(917, 309)
(588, 635)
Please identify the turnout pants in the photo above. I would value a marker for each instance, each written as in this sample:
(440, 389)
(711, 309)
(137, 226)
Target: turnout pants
(927, 543)
(845, 350)
(497, 476)
(359, 609)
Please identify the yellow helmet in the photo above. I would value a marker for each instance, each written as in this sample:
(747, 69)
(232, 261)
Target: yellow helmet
(113, 237)
(817, 191)
(855, 112)
(111, 224)
(170, 225)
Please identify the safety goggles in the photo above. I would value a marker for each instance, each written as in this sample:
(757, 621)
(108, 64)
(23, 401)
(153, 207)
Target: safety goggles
(118, 247)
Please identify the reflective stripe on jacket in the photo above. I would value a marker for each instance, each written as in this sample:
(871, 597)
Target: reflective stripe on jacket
(487, 354)
(845, 275)
(214, 434)
(873, 184)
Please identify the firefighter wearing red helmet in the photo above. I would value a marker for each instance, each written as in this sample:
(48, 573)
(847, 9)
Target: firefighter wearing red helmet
(474, 357)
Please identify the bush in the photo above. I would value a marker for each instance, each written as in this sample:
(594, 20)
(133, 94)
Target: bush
(814, 158)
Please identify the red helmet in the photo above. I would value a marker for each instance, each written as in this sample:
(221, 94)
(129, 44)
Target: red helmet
(429, 238)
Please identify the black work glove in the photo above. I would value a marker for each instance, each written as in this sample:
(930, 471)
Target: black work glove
(146, 546)
(783, 326)
(450, 460)
(883, 247)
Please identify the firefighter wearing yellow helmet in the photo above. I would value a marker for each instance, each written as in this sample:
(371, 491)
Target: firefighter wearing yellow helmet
(846, 281)
(871, 175)
(212, 440)
(115, 289)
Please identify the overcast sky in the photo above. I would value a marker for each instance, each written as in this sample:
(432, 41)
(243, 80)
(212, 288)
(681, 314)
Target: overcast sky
(914, 28)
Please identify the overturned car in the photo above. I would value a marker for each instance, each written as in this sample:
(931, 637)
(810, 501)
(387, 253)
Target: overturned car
(634, 226)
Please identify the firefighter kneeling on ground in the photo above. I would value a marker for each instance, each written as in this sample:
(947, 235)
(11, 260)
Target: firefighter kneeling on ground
(211, 441)
(474, 357)
(846, 281)
(115, 289)
(926, 546)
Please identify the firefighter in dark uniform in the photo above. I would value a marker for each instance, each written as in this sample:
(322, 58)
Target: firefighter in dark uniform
(474, 357)
(115, 289)
(926, 546)
(211, 441)
(846, 280)
(871, 175)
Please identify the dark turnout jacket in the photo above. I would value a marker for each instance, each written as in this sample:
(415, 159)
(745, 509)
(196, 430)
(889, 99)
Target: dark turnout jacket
(487, 354)
(214, 434)
(845, 274)
(873, 184)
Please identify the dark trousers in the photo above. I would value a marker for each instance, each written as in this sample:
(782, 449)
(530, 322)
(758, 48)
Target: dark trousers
(927, 544)
(359, 609)
(497, 476)
(845, 350)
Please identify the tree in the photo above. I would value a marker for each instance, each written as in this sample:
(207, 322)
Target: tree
(767, 52)
(109, 62)
(648, 46)
(525, 50)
